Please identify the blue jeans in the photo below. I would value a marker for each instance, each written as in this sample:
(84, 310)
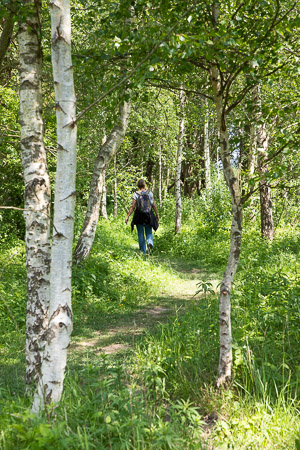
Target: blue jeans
(141, 229)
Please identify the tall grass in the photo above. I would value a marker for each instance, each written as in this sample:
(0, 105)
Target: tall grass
(160, 393)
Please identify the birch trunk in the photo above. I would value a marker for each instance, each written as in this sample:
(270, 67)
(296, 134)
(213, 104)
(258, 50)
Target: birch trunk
(206, 148)
(60, 313)
(266, 207)
(106, 153)
(37, 191)
(252, 163)
(115, 187)
(103, 210)
(225, 359)
(179, 164)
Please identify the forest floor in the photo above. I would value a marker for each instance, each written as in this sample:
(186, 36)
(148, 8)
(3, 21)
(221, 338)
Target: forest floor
(119, 334)
(143, 357)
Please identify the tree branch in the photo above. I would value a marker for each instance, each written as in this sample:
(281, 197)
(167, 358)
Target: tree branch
(127, 77)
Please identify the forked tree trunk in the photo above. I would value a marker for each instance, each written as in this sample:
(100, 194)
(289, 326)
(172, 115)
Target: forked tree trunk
(60, 314)
(179, 164)
(115, 187)
(37, 190)
(266, 207)
(225, 358)
(106, 153)
(206, 148)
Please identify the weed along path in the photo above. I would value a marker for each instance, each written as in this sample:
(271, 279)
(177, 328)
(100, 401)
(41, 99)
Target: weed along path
(119, 333)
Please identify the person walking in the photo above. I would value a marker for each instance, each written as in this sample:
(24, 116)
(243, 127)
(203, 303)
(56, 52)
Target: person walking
(144, 219)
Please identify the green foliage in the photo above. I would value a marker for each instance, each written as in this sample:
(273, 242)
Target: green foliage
(203, 219)
(161, 393)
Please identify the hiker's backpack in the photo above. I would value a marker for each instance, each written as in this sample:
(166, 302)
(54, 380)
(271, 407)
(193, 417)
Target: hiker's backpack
(143, 202)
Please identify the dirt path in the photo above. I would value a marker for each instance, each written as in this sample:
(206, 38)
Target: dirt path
(120, 335)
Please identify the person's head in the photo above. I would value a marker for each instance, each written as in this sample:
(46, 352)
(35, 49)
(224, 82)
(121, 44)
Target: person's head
(141, 184)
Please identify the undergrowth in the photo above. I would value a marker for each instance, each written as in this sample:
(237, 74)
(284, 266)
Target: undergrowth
(160, 392)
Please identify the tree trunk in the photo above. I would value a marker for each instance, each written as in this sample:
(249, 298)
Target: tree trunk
(252, 163)
(60, 313)
(225, 359)
(206, 148)
(7, 30)
(160, 176)
(149, 170)
(266, 207)
(167, 183)
(103, 210)
(115, 187)
(106, 153)
(217, 161)
(178, 165)
(37, 190)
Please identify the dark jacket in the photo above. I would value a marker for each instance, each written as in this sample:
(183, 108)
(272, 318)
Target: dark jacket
(140, 218)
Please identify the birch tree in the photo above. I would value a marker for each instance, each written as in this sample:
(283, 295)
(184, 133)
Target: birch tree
(50, 385)
(206, 147)
(225, 358)
(37, 189)
(115, 187)
(105, 154)
(179, 163)
(262, 145)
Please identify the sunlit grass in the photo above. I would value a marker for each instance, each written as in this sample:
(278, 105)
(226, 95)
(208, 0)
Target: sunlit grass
(156, 389)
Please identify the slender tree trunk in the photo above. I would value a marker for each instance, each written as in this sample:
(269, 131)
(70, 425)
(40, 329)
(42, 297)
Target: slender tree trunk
(106, 153)
(206, 148)
(115, 187)
(178, 165)
(37, 190)
(167, 183)
(160, 177)
(217, 161)
(60, 314)
(266, 207)
(7, 30)
(225, 359)
(252, 164)
(103, 210)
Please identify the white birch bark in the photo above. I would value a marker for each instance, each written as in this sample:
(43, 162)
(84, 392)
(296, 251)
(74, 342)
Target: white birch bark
(37, 190)
(225, 358)
(115, 187)
(60, 313)
(103, 196)
(206, 148)
(106, 153)
(266, 206)
(179, 164)
(252, 158)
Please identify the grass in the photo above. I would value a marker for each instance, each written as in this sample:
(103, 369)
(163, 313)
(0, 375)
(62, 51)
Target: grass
(144, 353)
